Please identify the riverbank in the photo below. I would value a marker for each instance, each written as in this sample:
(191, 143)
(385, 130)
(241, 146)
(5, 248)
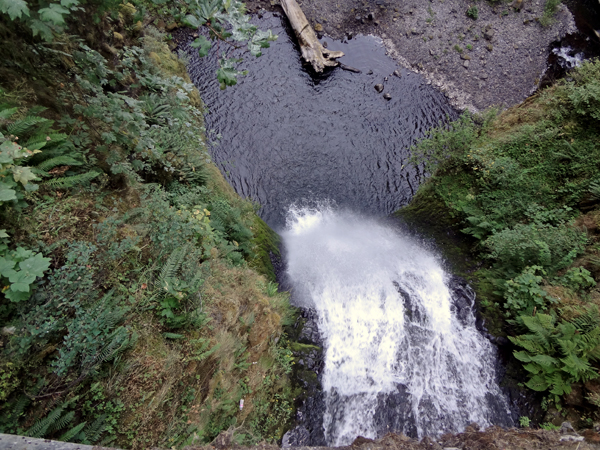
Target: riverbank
(495, 55)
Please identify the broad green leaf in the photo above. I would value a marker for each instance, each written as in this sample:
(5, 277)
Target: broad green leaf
(20, 280)
(3, 234)
(227, 74)
(21, 254)
(36, 265)
(23, 175)
(6, 265)
(16, 296)
(41, 28)
(14, 8)
(54, 14)
(69, 3)
(7, 194)
(192, 21)
(537, 383)
(203, 45)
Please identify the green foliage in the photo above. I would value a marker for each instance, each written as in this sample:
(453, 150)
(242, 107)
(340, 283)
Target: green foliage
(524, 295)
(584, 93)
(19, 269)
(226, 21)
(578, 279)
(550, 9)
(524, 421)
(558, 355)
(544, 245)
(173, 291)
(473, 12)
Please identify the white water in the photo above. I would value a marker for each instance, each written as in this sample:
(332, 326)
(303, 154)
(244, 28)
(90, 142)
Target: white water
(392, 362)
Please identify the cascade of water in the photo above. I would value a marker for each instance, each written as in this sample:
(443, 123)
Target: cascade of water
(399, 356)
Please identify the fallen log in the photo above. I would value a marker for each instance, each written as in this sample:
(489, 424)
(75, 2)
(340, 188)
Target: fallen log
(312, 50)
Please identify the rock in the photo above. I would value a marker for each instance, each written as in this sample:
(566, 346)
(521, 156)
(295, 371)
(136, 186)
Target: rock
(358, 18)
(370, 16)
(8, 331)
(488, 32)
(566, 427)
(376, 22)
(466, 57)
(350, 35)
(325, 44)
(385, 79)
(387, 96)
(379, 88)
(397, 73)
(318, 27)
(484, 76)
(466, 64)
(370, 72)
(575, 397)
(172, 26)
(489, 47)
(296, 437)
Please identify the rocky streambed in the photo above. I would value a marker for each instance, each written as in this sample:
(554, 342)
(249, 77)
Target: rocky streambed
(495, 55)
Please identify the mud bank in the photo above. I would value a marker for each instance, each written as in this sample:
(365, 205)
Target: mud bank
(498, 58)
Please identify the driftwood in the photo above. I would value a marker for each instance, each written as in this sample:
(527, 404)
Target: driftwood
(312, 50)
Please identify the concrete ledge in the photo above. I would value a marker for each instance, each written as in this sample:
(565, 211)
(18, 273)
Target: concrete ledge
(13, 442)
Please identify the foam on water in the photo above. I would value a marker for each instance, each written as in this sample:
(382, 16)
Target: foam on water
(392, 336)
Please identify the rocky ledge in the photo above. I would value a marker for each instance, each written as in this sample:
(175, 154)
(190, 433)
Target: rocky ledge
(494, 54)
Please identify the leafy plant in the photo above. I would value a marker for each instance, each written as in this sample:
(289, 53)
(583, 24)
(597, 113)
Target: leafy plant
(523, 294)
(19, 269)
(524, 421)
(578, 279)
(558, 355)
(473, 12)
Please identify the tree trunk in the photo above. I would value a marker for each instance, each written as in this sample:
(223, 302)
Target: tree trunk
(312, 50)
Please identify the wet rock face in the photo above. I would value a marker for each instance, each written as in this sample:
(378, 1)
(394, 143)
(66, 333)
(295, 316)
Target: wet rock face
(310, 406)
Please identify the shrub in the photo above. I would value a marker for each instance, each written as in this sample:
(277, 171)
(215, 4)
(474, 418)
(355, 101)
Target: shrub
(544, 245)
(473, 12)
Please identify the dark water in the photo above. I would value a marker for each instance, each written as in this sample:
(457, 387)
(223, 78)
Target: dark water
(288, 137)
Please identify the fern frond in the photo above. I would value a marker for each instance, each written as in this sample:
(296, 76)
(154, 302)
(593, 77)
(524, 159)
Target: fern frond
(7, 113)
(69, 435)
(35, 110)
(40, 428)
(172, 266)
(75, 180)
(93, 432)
(58, 161)
(26, 125)
(63, 422)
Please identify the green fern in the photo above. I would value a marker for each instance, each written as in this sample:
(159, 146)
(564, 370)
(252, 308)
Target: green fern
(40, 428)
(69, 435)
(93, 432)
(6, 113)
(72, 181)
(25, 126)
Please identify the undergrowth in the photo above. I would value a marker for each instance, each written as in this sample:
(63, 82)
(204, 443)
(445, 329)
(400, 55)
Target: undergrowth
(138, 302)
(523, 185)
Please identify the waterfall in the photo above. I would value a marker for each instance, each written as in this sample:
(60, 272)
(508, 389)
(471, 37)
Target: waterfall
(401, 349)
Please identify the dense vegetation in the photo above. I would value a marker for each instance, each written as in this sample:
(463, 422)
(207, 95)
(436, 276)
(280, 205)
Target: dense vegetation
(524, 189)
(133, 307)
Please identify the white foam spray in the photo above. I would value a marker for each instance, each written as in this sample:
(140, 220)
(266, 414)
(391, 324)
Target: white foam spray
(392, 340)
